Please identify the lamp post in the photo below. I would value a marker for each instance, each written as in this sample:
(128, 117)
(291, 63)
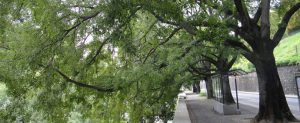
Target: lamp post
(236, 92)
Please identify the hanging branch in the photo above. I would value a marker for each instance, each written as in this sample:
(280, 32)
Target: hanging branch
(118, 28)
(67, 31)
(151, 51)
(195, 71)
(81, 84)
(190, 26)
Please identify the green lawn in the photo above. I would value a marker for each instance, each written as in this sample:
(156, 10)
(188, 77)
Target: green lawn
(288, 51)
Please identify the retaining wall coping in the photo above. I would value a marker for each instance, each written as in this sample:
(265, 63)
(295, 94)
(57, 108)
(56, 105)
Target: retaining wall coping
(181, 113)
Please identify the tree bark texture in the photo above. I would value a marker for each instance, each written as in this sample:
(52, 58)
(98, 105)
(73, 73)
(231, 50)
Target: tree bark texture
(226, 91)
(196, 87)
(223, 66)
(273, 107)
(209, 88)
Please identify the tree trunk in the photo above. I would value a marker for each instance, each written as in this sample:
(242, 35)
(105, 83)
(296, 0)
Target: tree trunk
(196, 87)
(273, 107)
(209, 88)
(228, 98)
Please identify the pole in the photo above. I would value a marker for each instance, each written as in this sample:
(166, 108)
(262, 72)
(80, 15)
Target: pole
(222, 91)
(236, 93)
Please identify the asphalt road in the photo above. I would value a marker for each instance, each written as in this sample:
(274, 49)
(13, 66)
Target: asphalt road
(252, 99)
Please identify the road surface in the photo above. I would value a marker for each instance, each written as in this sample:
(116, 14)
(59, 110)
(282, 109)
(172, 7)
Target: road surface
(252, 99)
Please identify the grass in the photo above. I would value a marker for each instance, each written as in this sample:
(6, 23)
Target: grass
(288, 51)
(202, 94)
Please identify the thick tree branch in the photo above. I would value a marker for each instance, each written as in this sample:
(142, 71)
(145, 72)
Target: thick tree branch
(265, 20)
(257, 15)
(243, 13)
(82, 6)
(161, 19)
(200, 69)
(246, 36)
(209, 59)
(194, 71)
(284, 23)
(245, 51)
(84, 18)
(189, 28)
(237, 45)
(81, 84)
(231, 62)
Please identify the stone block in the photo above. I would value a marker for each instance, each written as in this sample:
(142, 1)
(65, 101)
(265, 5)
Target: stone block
(225, 109)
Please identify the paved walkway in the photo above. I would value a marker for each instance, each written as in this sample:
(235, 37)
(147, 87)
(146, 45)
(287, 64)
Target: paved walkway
(181, 114)
(201, 111)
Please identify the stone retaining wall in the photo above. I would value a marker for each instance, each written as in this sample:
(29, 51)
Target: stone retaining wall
(249, 83)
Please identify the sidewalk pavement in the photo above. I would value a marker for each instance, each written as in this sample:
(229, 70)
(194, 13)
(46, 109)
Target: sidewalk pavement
(201, 111)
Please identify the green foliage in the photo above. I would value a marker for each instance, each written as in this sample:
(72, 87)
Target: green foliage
(244, 64)
(294, 24)
(2, 93)
(202, 94)
(106, 51)
(108, 61)
(287, 53)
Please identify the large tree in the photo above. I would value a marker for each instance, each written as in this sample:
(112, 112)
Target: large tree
(64, 53)
(258, 49)
(68, 60)
(88, 58)
(222, 58)
(257, 44)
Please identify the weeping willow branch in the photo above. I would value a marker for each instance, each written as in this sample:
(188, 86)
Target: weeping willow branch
(81, 84)
(117, 30)
(151, 51)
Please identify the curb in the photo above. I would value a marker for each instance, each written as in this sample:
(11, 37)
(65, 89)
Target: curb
(181, 113)
(287, 96)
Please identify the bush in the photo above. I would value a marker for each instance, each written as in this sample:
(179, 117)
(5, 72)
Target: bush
(202, 94)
